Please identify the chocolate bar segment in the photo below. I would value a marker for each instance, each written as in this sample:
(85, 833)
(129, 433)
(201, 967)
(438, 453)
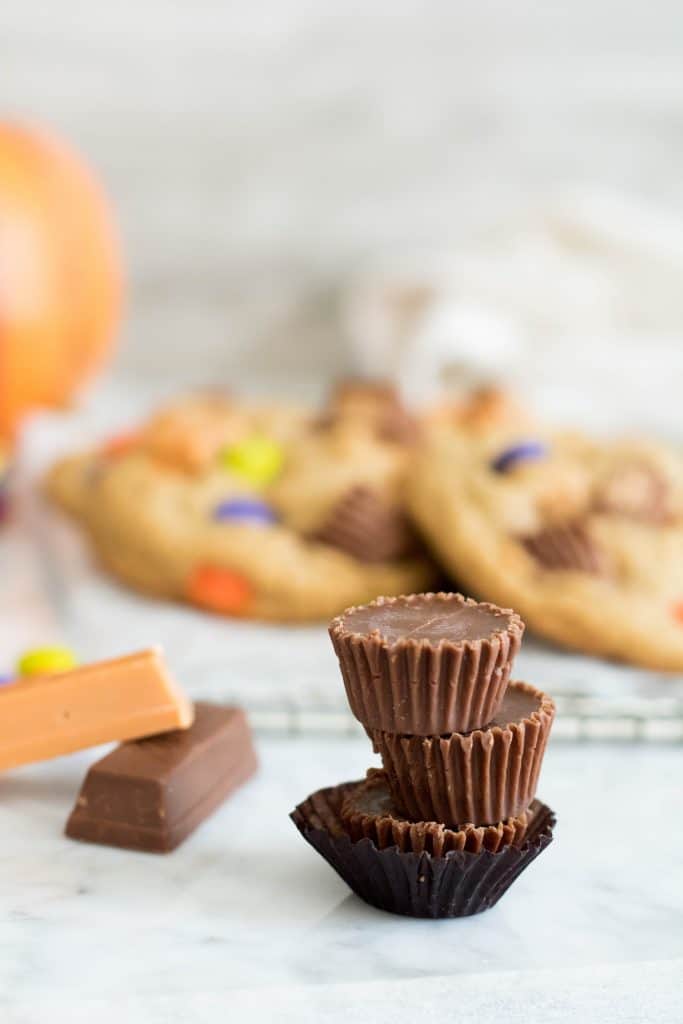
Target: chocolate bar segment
(107, 701)
(151, 794)
(366, 526)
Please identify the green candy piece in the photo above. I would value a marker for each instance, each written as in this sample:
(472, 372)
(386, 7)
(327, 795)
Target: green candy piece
(257, 459)
(44, 661)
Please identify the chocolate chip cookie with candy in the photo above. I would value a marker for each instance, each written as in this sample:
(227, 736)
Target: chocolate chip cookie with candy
(583, 537)
(267, 512)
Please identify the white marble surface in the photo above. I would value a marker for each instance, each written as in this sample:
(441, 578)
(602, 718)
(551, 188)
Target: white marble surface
(246, 915)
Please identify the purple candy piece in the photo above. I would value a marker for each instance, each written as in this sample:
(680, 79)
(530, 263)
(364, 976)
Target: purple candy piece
(521, 452)
(4, 679)
(245, 509)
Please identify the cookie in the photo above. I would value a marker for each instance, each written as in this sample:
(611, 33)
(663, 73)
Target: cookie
(583, 537)
(256, 511)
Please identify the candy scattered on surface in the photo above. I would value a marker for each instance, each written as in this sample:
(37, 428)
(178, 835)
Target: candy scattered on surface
(244, 510)
(120, 444)
(257, 459)
(44, 661)
(525, 451)
(220, 590)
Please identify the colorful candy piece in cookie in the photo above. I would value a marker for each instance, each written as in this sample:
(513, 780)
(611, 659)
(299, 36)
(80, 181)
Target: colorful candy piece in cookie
(45, 661)
(678, 612)
(524, 451)
(244, 510)
(257, 459)
(189, 434)
(120, 444)
(6, 678)
(219, 590)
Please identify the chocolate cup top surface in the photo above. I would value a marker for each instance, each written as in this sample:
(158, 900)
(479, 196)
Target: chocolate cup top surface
(432, 619)
(426, 664)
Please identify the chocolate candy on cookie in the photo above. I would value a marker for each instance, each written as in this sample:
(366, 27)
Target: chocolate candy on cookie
(452, 820)
(367, 527)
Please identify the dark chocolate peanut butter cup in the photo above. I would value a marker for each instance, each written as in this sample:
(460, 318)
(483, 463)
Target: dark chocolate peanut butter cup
(426, 664)
(457, 884)
(368, 812)
(484, 776)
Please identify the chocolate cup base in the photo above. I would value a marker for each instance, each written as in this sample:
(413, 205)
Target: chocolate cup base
(459, 884)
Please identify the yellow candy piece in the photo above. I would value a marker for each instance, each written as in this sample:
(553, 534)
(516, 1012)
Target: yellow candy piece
(257, 459)
(46, 661)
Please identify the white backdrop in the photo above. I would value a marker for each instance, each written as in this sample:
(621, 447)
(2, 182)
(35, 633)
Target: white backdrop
(260, 154)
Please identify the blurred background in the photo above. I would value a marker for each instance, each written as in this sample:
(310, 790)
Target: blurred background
(281, 171)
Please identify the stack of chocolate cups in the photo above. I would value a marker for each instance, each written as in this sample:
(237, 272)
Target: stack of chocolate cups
(452, 819)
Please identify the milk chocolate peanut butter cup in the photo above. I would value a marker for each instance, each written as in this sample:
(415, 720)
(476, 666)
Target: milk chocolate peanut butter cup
(484, 776)
(369, 812)
(426, 664)
(417, 884)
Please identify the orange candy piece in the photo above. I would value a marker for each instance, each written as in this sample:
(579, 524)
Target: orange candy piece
(678, 612)
(220, 590)
(120, 444)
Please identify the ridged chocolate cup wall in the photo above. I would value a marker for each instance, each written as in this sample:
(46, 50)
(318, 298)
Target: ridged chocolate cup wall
(417, 884)
(485, 776)
(425, 687)
(367, 813)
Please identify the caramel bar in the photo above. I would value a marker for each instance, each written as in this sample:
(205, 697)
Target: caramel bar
(124, 698)
(150, 794)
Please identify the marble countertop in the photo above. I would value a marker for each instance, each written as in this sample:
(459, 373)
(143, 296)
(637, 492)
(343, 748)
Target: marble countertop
(245, 916)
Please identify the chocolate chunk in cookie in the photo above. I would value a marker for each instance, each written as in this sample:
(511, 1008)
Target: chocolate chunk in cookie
(367, 527)
(566, 546)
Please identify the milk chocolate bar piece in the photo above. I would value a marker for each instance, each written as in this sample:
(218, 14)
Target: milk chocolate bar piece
(150, 794)
(121, 699)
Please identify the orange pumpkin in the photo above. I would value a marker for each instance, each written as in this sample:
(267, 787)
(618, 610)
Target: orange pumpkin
(60, 273)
